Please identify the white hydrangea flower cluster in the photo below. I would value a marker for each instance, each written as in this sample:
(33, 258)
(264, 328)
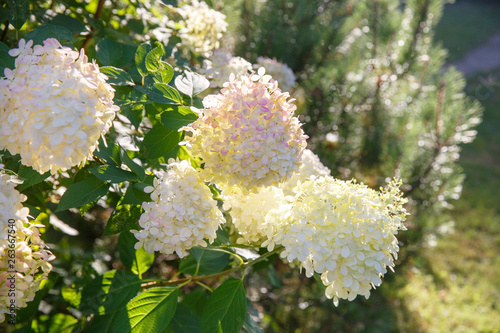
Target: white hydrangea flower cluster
(341, 230)
(23, 246)
(249, 211)
(181, 214)
(251, 224)
(56, 106)
(11, 206)
(221, 64)
(248, 136)
(311, 167)
(203, 27)
(279, 71)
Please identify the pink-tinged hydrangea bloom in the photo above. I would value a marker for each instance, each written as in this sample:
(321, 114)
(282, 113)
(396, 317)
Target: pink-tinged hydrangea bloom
(181, 215)
(56, 106)
(279, 71)
(22, 244)
(202, 27)
(248, 136)
(221, 64)
(341, 230)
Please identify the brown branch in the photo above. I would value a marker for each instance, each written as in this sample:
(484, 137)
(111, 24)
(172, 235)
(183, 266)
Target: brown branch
(189, 280)
(375, 29)
(100, 7)
(438, 144)
(439, 110)
(212, 276)
(5, 30)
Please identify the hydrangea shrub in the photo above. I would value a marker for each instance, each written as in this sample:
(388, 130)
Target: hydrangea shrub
(181, 190)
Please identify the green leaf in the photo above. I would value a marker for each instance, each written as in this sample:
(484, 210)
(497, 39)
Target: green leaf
(72, 296)
(124, 218)
(209, 262)
(72, 24)
(41, 33)
(110, 154)
(59, 322)
(136, 168)
(226, 308)
(169, 92)
(165, 74)
(135, 196)
(30, 177)
(185, 320)
(133, 113)
(176, 117)
(4, 14)
(153, 94)
(138, 261)
(153, 59)
(108, 51)
(109, 293)
(196, 300)
(250, 326)
(140, 58)
(112, 174)
(161, 71)
(160, 141)
(191, 83)
(151, 311)
(6, 61)
(83, 192)
(104, 324)
(19, 12)
(117, 76)
(272, 276)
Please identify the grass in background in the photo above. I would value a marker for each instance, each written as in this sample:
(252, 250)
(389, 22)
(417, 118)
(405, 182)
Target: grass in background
(467, 24)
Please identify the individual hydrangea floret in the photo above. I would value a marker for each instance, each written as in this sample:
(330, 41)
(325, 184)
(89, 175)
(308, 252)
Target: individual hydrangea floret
(341, 230)
(221, 64)
(279, 71)
(20, 242)
(181, 215)
(248, 136)
(203, 27)
(248, 212)
(56, 105)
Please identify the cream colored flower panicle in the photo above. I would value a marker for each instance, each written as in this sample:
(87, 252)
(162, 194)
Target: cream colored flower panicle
(341, 230)
(248, 136)
(279, 71)
(181, 215)
(221, 64)
(24, 259)
(203, 27)
(248, 212)
(56, 106)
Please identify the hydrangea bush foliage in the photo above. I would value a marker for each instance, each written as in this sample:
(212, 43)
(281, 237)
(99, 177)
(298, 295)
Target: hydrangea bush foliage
(142, 189)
